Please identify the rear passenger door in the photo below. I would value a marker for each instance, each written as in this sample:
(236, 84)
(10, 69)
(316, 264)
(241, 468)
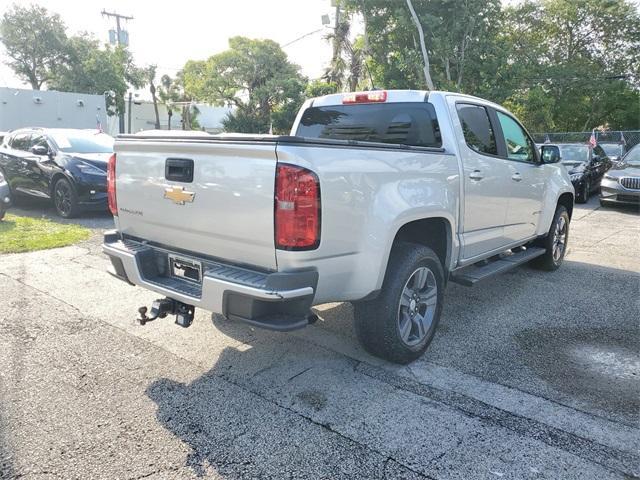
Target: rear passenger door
(526, 178)
(486, 180)
(15, 162)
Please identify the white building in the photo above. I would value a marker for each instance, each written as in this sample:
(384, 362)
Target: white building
(49, 108)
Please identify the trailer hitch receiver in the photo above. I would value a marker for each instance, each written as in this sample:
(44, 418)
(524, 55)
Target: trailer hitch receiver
(167, 306)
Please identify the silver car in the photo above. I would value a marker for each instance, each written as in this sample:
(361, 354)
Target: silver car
(621, 184)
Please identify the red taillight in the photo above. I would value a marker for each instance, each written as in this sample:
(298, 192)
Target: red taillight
(376, 96)
(111, 185)
(297, 208)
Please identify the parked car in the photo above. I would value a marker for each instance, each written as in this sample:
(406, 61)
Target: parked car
(68, 166)
(378, 198)
(621, 184)
(614, 150)
(5, 196)
(586, 166)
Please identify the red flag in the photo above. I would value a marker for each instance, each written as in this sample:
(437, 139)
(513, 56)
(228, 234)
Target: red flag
(592, 141)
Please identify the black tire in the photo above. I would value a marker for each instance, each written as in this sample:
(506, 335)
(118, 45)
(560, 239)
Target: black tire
(65, 199)
(377, 322)
(585, 192)
(550, 261)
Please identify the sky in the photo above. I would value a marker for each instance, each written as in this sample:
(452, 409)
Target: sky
(195, 30)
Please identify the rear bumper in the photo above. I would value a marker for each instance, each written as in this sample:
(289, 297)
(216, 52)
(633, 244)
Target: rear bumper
(277, 301)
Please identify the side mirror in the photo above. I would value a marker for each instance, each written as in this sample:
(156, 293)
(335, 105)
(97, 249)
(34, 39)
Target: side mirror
(550, 154)
(39, 150)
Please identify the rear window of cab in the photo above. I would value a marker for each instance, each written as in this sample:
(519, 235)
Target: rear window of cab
(410, 123)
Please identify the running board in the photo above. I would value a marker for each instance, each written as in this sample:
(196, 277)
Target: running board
(472, 274)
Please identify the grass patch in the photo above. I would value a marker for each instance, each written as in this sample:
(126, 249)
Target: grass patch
(26, 234)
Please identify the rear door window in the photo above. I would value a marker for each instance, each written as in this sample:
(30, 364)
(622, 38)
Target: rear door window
(412, 123)
(477, 129)
(21, 141)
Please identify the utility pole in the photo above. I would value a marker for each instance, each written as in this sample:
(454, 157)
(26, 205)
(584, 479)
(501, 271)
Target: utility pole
(119, 42)
(118, 17)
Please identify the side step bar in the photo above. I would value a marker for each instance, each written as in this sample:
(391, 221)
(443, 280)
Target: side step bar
(472, 274)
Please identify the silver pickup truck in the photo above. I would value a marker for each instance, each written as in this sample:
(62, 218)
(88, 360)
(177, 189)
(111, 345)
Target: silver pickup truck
(376, 198)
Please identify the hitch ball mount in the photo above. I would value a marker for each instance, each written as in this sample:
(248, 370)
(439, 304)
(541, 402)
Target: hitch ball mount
(167, 306)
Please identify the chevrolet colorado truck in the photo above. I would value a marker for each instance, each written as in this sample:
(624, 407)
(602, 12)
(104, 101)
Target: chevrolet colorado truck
(377, 198)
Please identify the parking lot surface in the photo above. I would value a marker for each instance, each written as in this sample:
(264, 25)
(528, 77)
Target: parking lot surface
(530, 375)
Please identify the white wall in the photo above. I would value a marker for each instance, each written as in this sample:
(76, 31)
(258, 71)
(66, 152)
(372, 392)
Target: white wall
(143, 117)
(21, 108)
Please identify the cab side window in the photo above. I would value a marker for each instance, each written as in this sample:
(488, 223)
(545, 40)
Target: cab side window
(477, 129)
(519, 145)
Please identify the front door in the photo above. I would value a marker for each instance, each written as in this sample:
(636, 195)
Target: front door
(486, 187)
(527, 180)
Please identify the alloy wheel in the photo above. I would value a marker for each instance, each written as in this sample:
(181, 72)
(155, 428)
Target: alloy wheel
(63, 198)
(417, 308)
(559, 238)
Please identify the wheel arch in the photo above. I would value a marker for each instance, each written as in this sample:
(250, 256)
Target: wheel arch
(433, 232)
(566, 200)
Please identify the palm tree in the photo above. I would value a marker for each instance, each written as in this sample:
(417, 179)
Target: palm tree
(151, 77)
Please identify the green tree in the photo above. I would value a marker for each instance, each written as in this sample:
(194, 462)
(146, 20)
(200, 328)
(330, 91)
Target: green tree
(151, 78)
(256, 78)
(172, 94)
(582, 55)
(460, 38)
(318, 88)
(34, 40)
(87, 68)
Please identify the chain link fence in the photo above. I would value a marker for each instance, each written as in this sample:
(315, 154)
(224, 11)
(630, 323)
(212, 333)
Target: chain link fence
(627, 137)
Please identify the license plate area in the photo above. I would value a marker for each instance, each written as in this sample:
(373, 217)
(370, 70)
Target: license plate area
(185, 268)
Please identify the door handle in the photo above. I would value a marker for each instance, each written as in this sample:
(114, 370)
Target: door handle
(476, 175)
(516, 176)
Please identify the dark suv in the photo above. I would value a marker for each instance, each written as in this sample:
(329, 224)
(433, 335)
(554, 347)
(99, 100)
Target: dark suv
(68, 166)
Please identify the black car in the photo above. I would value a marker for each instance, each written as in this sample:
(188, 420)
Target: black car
(586, 166)
(67, 166)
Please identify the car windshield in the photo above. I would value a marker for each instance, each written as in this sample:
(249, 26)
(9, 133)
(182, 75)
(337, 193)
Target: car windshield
(83, 142)
(574, 153)
(633, 157)
(612, 149)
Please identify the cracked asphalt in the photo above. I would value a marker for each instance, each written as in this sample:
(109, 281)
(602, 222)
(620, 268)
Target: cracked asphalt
(531, 375)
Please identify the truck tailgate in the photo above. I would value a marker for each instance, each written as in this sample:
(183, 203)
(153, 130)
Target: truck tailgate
(230, 214)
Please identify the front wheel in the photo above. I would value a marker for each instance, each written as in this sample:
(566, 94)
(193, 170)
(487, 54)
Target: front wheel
(400, 323)
(585, 192)
(555, 242)
(65, 199)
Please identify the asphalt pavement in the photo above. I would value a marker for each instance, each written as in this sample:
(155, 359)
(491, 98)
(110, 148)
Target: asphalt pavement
(531, 375)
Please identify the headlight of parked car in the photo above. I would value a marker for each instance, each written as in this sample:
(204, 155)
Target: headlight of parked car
(90, 169)
(575, 177)
(609, 177)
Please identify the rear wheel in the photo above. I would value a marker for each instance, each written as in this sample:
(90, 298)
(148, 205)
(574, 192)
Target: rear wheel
(555, 242)
(65, 199)
(400, 323)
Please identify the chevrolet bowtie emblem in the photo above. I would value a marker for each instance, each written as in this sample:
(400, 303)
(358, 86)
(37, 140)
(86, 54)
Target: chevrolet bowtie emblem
(178, 195)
